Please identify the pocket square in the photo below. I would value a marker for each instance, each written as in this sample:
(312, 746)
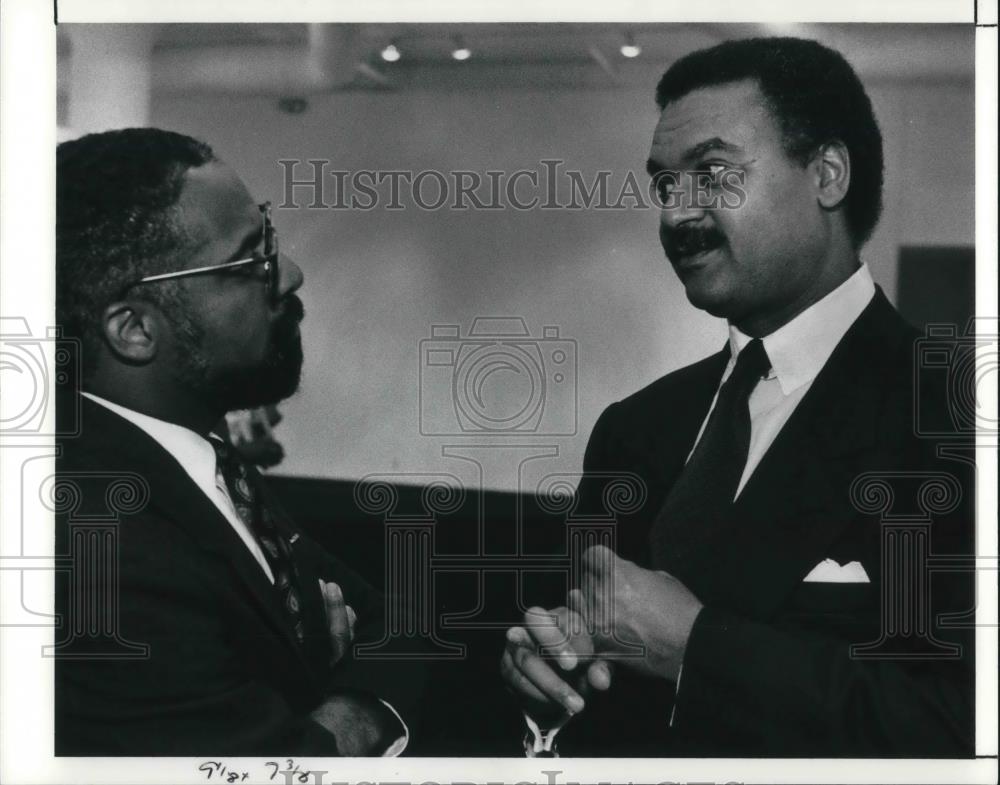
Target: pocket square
(828, 571)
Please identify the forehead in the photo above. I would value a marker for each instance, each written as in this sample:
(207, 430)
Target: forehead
(216, 206)
(735, 112)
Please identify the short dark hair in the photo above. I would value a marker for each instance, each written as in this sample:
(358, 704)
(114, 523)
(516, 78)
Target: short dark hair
(116, 220)
(814, 95)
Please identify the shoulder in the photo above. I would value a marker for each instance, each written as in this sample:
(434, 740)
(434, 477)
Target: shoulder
(925, 366)
(110, 471)
(693, 381)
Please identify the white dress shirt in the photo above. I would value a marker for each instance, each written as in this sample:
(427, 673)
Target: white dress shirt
(797, 351)
(197, 458)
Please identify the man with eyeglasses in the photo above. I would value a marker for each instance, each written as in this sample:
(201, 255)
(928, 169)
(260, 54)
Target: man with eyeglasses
(224, 630)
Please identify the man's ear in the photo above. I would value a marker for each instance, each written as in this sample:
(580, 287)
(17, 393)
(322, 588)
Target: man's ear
(832, 165)
(133, 332)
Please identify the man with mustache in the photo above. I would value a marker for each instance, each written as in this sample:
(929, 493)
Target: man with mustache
(724, 622)
(224, 630)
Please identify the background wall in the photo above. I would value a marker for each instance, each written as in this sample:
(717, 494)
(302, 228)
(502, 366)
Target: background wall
(377, 280)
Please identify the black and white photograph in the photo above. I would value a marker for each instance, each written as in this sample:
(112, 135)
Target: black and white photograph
(407, 394)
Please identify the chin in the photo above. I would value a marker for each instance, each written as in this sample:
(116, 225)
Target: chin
(260, 396)
(283, 373)
(249, 388)
(713, 299)
(279, 385)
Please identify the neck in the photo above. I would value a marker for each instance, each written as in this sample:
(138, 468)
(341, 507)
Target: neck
(163, 403)
(766, 321)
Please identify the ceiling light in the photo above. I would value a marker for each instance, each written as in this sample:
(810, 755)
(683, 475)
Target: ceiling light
(390, 54)
(629, 48)
(461, 51)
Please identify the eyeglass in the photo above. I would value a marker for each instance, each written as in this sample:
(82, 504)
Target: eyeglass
(269, 259)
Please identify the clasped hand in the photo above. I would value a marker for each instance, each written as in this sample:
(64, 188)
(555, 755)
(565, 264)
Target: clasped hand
(621, 615)
(361, 724)
(340, 620)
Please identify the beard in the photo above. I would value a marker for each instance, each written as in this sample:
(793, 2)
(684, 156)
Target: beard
(272, 380)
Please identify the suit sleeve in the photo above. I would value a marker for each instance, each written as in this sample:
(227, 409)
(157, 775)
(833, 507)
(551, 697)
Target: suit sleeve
(190, 694)
(596, 461)
(605, 480)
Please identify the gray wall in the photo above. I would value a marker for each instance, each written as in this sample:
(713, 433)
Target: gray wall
(376, 280)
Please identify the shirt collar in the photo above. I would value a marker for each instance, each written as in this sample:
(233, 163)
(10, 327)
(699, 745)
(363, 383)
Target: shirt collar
(191, 450)
(800, 349)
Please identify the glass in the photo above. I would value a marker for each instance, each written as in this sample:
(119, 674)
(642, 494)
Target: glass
(269, 259)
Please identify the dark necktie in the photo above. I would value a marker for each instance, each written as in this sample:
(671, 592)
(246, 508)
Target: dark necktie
(705, 490)
(260, 522)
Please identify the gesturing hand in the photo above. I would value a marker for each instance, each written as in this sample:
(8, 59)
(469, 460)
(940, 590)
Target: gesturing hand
(340, 619)
(628, 605)
(548, 663)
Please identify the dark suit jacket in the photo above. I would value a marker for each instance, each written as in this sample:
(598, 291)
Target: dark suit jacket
(221, 673)
(767, 670)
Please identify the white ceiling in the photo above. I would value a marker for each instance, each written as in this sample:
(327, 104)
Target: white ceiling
(275, 58)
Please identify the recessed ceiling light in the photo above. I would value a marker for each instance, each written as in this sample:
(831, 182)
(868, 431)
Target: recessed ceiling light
(461, 51)
(629, 48)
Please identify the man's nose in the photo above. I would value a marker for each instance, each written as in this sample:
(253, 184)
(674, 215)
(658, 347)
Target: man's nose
(290, 276)
(683, 210)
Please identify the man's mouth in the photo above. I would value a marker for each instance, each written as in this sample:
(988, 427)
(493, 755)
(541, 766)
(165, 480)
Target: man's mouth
(294, 310)
(291, 316)
(692, 257)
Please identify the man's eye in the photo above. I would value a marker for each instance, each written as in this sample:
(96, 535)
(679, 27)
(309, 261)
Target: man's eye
(256, 270)
(666, 186)
(664, 189)
(247, 270)
(714, 172)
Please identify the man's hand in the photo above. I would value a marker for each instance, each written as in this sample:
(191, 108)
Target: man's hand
(340, 619)
(628, 605)
(548, 663)
(361, 723)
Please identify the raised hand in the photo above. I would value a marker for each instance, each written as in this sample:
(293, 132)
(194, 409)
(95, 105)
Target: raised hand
(549, 665)
(627, 605)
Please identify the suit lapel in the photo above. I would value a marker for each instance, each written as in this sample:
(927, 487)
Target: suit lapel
(672, 437)
(176, 497)
(651, 437)
(796, 503)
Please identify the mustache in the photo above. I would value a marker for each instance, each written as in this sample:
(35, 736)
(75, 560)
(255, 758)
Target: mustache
(690, 240)
(292, 312)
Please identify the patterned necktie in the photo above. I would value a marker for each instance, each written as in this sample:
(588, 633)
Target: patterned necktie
(706, 488)
(258, 519)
